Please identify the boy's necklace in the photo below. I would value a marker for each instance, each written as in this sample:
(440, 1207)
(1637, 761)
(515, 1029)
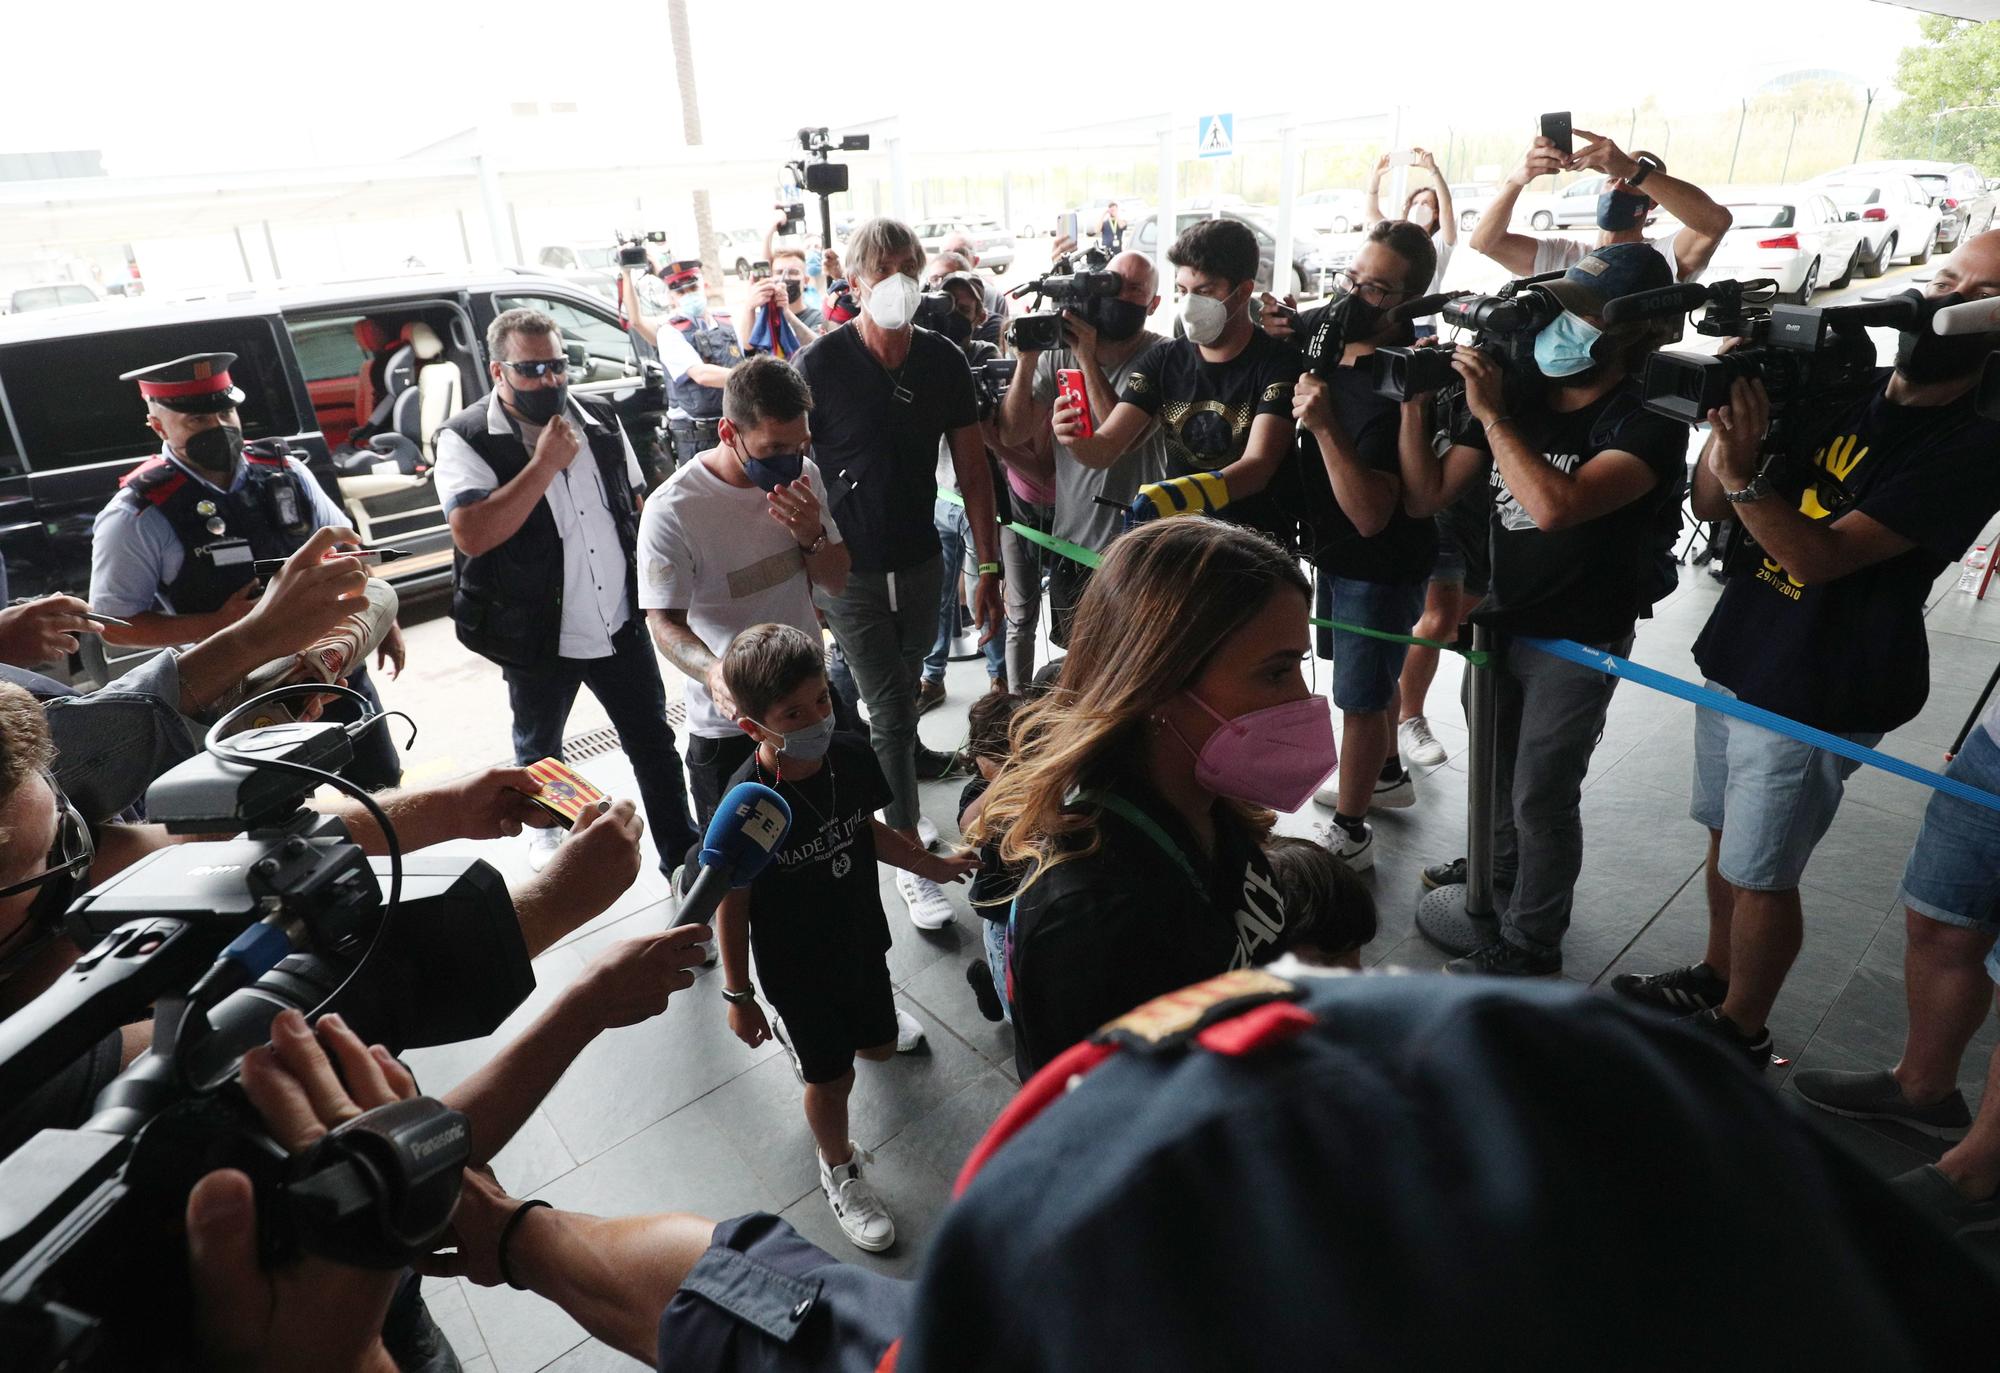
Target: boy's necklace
(798, 789)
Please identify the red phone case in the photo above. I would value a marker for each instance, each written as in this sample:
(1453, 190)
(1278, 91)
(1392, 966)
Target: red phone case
(1069, 381)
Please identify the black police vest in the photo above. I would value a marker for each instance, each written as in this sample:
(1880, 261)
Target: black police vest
(507, 602)
(201, 517)
(714, 342)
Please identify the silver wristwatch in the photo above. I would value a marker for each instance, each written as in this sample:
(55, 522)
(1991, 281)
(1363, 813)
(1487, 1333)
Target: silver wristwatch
(1759, 487)
(743, 998)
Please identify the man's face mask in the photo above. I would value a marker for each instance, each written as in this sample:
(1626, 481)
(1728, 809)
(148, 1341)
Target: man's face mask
(214, 449)
(540, 404)
(1114, 319)
(1617, 210)
(1564, 347)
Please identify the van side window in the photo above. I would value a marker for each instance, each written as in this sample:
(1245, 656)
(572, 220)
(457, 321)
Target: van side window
(71, 409)
(609, 348)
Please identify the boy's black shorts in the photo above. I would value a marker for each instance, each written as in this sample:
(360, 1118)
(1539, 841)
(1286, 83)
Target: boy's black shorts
(837, 1005)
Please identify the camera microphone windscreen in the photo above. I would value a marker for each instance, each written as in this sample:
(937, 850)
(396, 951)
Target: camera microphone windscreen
(1654, 304)
(1423, 305)
(1968, 317)
(1897, 312)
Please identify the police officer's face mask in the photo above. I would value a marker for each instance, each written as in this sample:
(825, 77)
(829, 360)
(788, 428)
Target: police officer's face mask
(214, 450)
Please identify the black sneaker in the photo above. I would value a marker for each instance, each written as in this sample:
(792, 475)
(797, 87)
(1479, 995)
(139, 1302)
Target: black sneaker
(1501, 959)
(933, 766)
(1754, 1050)
(1878, 1096)
(1678, 991)
(983, 990)
(1931, 1192)
(1450, 874)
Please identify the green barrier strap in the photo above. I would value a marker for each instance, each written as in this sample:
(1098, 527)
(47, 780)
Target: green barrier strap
(1078, 554)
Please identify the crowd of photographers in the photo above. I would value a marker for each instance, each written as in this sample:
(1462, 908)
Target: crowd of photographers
(835, 524)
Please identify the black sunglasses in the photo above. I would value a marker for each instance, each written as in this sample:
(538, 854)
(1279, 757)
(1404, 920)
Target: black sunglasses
(69, 860)
(540, 367)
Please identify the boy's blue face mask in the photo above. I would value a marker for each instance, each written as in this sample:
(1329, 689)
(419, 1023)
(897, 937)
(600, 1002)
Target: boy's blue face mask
(1563, 348)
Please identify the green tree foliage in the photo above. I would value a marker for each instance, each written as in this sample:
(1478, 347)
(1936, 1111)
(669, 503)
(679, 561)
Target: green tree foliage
(1957, 65)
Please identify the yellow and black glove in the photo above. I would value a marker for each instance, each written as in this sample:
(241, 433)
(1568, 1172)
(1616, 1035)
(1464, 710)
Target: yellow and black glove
(1201, 494)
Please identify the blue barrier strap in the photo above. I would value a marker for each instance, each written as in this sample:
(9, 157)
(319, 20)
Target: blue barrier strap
(1612, 665)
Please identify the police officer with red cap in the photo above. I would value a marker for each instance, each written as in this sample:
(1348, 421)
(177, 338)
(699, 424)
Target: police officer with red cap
(697, 352)
(172, 552)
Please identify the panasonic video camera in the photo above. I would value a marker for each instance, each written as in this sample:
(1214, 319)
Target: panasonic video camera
(1503, 326)
(1074, 278)
(217, 938)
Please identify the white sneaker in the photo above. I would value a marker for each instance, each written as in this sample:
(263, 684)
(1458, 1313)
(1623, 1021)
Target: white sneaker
(1394, 795)
(784, 1038)
(1416, 742)
(928, 908)
(1358, 854)
(927, 833)
(1329, 795)
(909, 1032)
(856, 1204)
(542, 846)
(709, 953)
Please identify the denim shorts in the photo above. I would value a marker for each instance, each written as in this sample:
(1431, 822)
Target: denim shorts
(1450, 564)
(1365, 669)
(1953, 875)
(1770, 795)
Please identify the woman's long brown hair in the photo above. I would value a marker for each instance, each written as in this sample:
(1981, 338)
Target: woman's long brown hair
(1166, 598)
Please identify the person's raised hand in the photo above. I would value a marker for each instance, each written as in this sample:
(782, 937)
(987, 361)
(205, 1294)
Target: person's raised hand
(311, 1315)
(1063, 244)
(1082, 335)
(1484, 388)
(795, 505)
(1312, 402)
(1424, 159)
(494, 804)
(1602, 155)
(597, 864)
(1739, 428)
(559, 444)
(315, 590)
(1381, 170)
(1066, 421)
(42, 630)
(1543, 158)
(633, 979)
(1278, 318)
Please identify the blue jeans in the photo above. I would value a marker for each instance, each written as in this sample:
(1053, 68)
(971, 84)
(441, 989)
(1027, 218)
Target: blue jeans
(955, 534)
(627, 685)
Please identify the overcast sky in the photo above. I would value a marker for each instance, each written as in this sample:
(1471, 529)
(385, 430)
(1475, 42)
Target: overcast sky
(165, 89)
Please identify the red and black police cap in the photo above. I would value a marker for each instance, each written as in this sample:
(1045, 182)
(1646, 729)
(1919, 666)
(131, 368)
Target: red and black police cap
(197, 384)
(686, 272)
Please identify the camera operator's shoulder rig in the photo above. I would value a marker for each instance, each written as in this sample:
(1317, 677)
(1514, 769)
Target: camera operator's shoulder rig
(1503, 326)
(1064, 287)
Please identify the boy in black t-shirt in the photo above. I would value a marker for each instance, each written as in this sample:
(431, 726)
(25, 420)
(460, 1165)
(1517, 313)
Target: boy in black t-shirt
(1223, 395)
(1822, 622)
(814, 916)
(1586, 486)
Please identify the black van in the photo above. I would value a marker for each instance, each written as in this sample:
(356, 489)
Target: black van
(397, 355)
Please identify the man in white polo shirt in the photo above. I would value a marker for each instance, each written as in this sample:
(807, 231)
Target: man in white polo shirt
(735, 538)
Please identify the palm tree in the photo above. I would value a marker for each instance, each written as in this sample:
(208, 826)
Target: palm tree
(704, 228)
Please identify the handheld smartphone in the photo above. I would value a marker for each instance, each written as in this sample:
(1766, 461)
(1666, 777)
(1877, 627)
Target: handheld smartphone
(1555, 128)
(564, 794)
(759, 270)
(1066, 227)
(1405, 158)
(1069, 384)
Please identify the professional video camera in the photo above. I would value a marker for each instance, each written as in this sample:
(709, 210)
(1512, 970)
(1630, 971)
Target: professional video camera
(821, 176)
(632, 246)
(991, 381)
(1073, 279)
(219, 937)
(1503, 326)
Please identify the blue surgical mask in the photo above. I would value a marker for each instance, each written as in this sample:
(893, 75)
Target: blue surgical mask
(1618, 210)
(773, 472)
(807, 745)
(694, 305)
(1563, 348)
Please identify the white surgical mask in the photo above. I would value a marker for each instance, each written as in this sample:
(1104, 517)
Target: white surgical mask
(892, 301)
(1203, 318)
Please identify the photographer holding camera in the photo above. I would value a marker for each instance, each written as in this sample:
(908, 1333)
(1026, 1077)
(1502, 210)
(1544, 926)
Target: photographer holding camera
(1372, 556)
(1622, 211)
(886, 392)
(1222, 394)
(1103, 338)
(1586, 483)
(775, 311)
(1822, 621)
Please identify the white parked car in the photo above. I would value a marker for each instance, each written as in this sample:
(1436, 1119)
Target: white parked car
(1532, 210)
(1897, 219)
(1965, 204)
(1332, 211)
(1794, 235)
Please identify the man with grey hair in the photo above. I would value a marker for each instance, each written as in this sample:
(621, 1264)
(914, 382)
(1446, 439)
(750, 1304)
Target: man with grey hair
(1104, 340)
(539, 497)
(886, 392)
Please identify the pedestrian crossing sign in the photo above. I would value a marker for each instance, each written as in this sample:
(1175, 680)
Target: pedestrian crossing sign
(1215, 135)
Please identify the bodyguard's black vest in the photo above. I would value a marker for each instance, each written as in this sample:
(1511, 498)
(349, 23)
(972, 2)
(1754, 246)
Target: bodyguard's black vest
(202, 516)
(507, 603)
(715, 342)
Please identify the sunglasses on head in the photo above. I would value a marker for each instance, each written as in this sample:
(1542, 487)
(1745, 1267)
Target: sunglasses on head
(537, 368)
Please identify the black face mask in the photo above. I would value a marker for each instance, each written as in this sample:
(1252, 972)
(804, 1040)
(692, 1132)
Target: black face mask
(540, 404)
(1924, 357)
(215, 450)
(1349, 319)
(793, 291)
(1114, 319)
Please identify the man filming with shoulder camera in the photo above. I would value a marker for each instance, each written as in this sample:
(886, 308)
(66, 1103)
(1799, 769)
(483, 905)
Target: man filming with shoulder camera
(1103, 338)
(1623, 211)
(1823, 623)
(1586, 486)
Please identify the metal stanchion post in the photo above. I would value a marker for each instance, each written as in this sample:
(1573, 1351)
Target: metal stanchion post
(1459, 918)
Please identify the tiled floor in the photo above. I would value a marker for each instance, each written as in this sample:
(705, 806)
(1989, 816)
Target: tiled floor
(677, 1114)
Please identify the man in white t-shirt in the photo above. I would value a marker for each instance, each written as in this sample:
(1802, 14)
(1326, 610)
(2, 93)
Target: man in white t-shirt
(737, 537)
(1623, 210)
